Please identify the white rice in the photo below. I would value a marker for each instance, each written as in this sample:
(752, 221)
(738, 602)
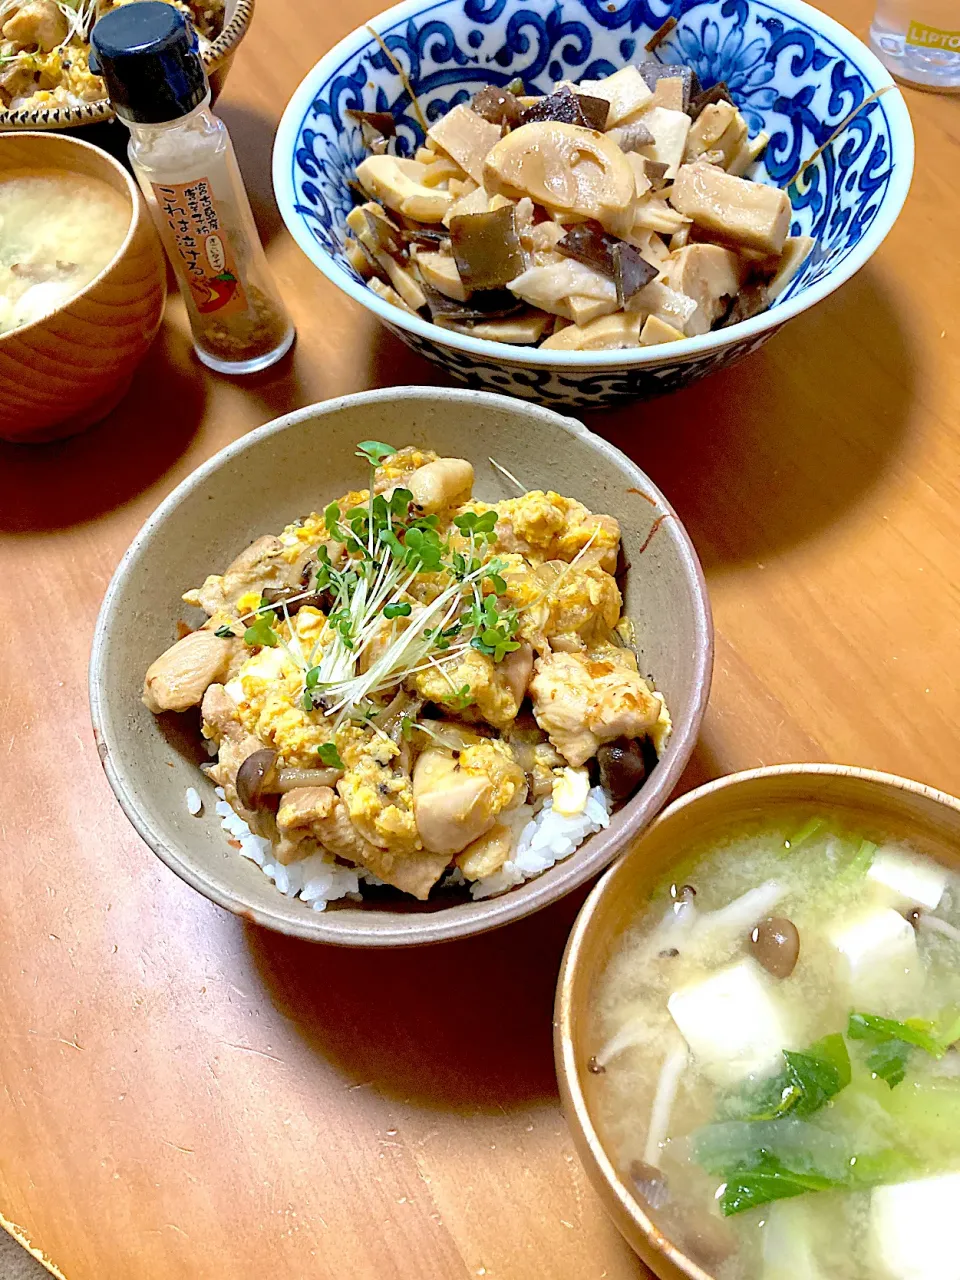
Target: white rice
(194, 803)
(545, 839)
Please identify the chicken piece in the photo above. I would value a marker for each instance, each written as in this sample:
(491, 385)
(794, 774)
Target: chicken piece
(180, 677)
(487, 854)
(379, 801)
(574, 607)
(474, 679)
(583, 699)
(546, 526)
(15, 82)
(38, 22)
(457, 797)
(445, 482)
(317, 813)
(393, 472)
(262, 564)
(222, 725)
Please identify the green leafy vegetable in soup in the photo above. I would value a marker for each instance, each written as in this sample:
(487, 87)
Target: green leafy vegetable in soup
(775, 1051)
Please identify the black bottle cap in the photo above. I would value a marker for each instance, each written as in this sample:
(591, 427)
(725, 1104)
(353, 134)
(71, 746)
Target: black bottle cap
(149, 58)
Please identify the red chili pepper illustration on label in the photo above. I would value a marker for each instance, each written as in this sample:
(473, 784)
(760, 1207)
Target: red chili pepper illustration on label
(220, 290)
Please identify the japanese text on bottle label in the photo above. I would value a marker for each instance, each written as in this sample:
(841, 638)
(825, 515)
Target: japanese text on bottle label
(191, 213)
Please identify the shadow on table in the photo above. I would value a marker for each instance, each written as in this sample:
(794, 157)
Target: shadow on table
(53, 486)
(761, 456)
(463, 1026)
(253, 136)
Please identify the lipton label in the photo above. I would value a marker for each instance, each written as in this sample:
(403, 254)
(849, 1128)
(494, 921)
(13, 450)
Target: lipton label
(923, 37)
(193, 218)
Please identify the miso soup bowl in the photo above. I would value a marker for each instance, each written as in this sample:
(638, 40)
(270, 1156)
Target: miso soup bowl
(793, 72)
(876, 803)
(297, 464)
(68, 369)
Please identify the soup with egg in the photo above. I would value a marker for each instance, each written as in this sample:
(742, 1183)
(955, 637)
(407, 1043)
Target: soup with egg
(57, 233)
(775, 1064)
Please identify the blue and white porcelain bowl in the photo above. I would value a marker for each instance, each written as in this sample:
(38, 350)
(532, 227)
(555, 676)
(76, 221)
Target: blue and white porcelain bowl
(793, 72)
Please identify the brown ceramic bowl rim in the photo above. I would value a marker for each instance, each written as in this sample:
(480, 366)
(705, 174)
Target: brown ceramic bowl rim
(574, 1103)
(465, 919)
(60, 117)
(133, 196)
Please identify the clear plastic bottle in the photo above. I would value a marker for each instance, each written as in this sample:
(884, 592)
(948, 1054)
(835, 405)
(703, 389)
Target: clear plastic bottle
(918, 41)
(184, 161)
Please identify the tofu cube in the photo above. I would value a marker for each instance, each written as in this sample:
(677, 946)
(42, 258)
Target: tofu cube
(878, 951)
(913, 1229)
(906, 880)
(732, 1022)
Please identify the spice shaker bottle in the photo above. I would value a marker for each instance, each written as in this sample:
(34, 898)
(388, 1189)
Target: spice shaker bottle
(184, 161)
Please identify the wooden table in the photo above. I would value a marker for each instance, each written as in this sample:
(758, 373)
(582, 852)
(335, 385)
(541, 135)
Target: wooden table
(186, 1096)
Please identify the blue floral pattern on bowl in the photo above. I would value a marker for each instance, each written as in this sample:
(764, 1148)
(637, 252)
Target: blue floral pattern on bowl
(791, 70)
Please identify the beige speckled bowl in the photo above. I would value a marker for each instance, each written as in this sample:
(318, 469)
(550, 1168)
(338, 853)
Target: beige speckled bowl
(879, 804)
(295, 465)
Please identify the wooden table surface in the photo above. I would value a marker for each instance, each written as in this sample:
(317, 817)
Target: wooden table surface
(187, 1096)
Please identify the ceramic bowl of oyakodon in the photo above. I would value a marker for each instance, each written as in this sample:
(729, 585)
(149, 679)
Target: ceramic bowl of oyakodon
(793, 74)
(401, 717)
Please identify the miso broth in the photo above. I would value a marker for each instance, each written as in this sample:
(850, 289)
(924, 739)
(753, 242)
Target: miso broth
(775, 1061)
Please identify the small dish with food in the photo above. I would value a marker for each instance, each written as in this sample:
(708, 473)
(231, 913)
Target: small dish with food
(592, 211)
(424, 687)
(45, 76)
(759, 1030)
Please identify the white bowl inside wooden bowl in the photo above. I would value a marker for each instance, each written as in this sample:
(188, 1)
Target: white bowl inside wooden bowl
(879, 806)
(298, 464)
(68, 369)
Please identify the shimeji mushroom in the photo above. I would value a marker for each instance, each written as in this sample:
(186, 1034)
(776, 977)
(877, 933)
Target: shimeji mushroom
(259, 777)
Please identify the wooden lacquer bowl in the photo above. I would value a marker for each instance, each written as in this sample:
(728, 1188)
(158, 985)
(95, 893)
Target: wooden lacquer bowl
(296, 465)
(66, 371)
(878, 804)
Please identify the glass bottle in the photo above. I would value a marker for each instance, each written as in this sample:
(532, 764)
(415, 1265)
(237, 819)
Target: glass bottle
(184, 161)
(918, 41)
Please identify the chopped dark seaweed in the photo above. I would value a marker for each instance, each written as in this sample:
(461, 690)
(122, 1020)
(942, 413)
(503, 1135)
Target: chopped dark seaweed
(660, 34)
(498, 106)
(750, 301)
(383, 232)
(486, 248)
(422, 236)
(706, 97)
(633, 136)
(633, 271)
(381, 122)
(567, 108)
(587, 243)
(489, 304)
(654, 71)
(656, 171)
(595, 110)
